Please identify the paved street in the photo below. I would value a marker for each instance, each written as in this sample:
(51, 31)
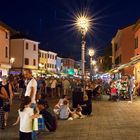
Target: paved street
(111, 121)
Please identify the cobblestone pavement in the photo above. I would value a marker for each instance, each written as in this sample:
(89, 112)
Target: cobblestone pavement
(110, 121)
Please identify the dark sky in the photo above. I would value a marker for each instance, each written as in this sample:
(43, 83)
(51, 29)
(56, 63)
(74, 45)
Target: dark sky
(48, 21)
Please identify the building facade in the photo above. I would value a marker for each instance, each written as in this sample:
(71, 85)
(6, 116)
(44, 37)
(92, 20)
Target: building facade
(25, 52)
(68, 65)
(51, 65)
(4, 49)
(123, 48)
(43, 59)
(137, 51)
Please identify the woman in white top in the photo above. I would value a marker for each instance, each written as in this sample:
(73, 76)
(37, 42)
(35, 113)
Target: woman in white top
(26, 115)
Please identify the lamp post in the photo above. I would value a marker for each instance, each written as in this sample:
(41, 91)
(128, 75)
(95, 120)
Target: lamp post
(91, 53)
(93, 64)
(83, 24)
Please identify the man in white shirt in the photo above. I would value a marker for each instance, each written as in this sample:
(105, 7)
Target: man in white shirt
(31, 88)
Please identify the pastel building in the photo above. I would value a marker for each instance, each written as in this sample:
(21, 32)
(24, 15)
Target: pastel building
(25, 52)
(43, 59)
(51, 65)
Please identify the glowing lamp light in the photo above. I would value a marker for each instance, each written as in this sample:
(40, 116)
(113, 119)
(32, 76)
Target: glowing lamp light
(93, 62)
(41, 65)
(91, 52)
(83, 23)
(12, 60)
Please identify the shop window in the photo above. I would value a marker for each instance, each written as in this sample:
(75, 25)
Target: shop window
(26, 61)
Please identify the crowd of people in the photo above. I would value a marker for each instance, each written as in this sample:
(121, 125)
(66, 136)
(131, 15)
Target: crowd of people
(75, 99)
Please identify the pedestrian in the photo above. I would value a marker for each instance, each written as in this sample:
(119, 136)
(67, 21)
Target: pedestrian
(26, 116)
(3, 96)
(21, 87)
(119, 87)
(65, 111)
(48, 115)
(66, 86)
(131, 88)
(59, 104)
(7, 103)
(31, 88)
(53, 86)
(86, 106)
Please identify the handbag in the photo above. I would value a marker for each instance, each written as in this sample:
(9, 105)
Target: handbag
(41, 123)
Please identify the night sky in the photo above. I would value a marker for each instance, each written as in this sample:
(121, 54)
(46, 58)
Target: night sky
(48, 21)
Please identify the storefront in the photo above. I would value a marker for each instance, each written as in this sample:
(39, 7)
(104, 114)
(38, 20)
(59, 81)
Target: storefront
(4, 69)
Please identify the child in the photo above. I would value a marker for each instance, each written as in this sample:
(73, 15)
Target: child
(64, 110)
(26, 114)
(60, 103)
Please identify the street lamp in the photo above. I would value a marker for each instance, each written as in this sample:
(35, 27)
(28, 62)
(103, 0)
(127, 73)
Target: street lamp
(95, 69)
(83, 25)
(12, 60)
(91, 53)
